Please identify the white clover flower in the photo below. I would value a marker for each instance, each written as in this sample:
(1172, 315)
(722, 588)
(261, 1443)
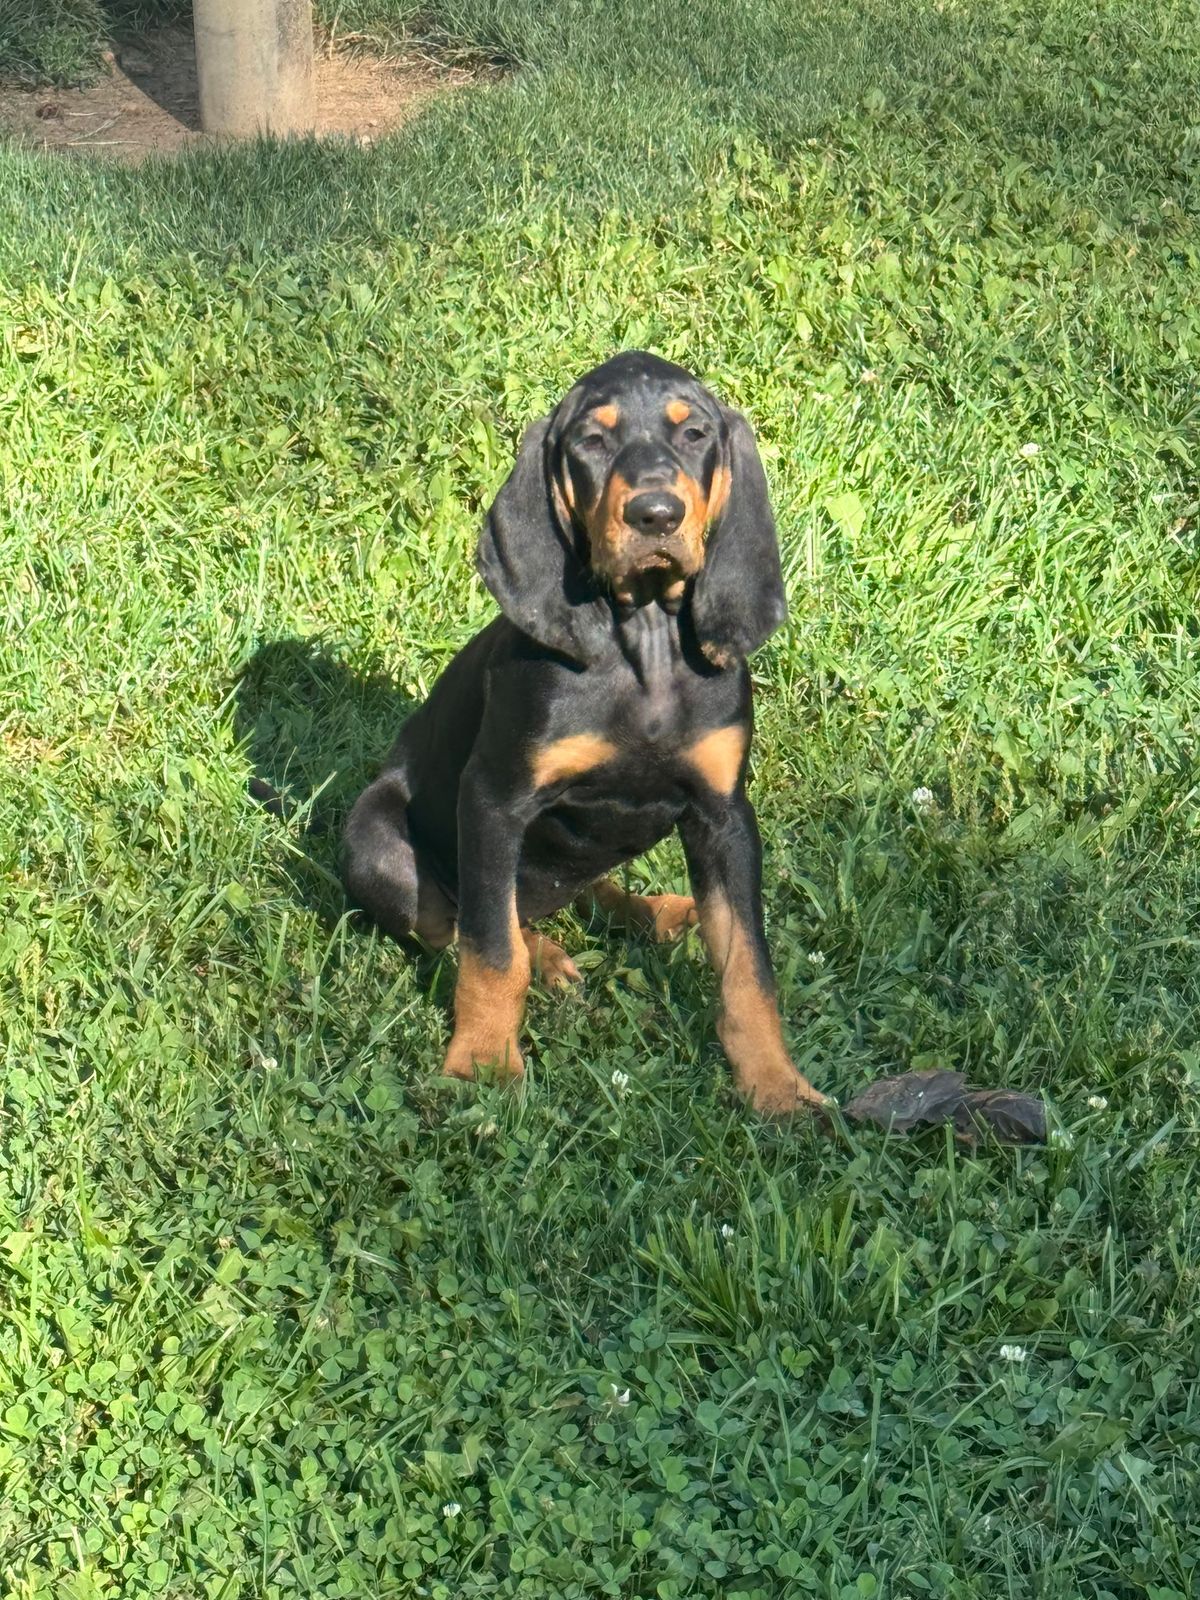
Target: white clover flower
(868, 375)
(1013, 1352)
(922, 797)
(1029, 450)
(451, 1508)
(726, 1231)
(620, 1081)
(1097, 1102)
(817, 957)
(620, 1396)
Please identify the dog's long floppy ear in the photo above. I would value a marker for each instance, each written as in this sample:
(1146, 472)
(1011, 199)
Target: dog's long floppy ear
(528, 560)
(739, 598)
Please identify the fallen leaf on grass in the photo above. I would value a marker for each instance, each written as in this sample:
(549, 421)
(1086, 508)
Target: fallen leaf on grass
(910, 1099)
(1013, 1118)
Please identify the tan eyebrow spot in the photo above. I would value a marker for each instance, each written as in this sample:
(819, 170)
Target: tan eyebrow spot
(607, 416)
(678, 410)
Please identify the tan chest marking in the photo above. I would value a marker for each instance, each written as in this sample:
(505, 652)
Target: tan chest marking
(717, 757)
(570, 758)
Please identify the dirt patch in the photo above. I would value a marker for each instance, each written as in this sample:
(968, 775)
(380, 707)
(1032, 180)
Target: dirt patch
(148, 102)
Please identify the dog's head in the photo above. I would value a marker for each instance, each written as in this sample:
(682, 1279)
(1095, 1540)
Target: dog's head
(639, 489)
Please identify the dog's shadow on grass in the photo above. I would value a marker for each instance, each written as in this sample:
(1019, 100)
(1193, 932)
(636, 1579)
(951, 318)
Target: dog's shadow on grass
(315, 732)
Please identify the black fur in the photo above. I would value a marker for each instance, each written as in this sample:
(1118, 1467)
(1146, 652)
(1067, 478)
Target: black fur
(455, 825)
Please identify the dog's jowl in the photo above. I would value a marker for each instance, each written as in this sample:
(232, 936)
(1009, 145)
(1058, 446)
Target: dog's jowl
(632, 552)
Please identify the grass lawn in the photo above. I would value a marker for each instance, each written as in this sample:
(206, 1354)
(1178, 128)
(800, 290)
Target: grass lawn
(282, 1316)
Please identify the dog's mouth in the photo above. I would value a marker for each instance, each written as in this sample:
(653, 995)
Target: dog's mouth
(658, 578)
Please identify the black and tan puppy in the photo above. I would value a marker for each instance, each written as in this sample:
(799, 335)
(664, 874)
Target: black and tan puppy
(633, 555)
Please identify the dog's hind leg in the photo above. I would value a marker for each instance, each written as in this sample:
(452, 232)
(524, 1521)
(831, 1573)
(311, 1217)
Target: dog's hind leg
(663, 916)
(550, 963)
(383, 871)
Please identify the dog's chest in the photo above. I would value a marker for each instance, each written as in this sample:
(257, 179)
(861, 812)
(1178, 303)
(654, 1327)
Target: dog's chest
(651, 717)
(661, 716)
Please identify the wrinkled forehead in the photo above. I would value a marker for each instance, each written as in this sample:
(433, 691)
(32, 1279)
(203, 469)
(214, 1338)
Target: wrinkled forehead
(639, 399)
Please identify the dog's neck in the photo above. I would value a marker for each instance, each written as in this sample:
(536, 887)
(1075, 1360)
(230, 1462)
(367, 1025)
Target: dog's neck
(650, 642)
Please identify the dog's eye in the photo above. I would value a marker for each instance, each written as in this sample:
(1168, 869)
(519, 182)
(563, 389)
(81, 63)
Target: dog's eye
(694, 435)
(591, 441)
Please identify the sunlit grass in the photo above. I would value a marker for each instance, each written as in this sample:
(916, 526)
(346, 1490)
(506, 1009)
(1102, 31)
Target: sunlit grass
(283, 1315)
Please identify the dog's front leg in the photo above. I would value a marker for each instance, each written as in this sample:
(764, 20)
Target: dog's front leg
(493, 961)
(724, 854)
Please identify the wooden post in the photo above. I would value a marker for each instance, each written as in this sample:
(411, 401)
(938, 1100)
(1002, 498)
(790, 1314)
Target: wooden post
(254, 63)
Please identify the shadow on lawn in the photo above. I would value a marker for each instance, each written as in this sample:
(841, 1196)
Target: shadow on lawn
(315, 732)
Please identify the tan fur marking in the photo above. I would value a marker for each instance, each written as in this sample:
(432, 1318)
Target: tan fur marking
(615, 545)
(749, 1027)
(489, 1003)
(612, 538)
(717, 757)
(663, 916)
(718, 495)
(678, 411)
(607, 416)
(719, 657)
(551, 964)
(694, 526)
(564, 495)
(570, 757)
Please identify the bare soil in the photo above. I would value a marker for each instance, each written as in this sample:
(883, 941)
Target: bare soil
(148, 103)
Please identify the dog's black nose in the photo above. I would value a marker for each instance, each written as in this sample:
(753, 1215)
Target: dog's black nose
(655, 511)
